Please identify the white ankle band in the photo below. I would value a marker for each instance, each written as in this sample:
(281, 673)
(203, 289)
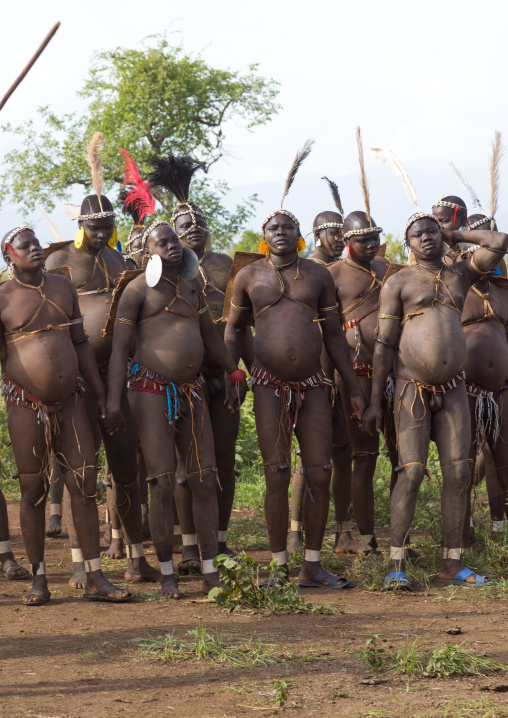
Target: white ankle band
(144, 509)
(365, 539)
(5, 547)
(452, 553)
(471, 524)
(189, 539)
(342, 526)
(117, 533)
(108, 517)
(296, 525)
(497, 528)
(208, 567)
(311, 555)
(41, 570)
(93, 565)
(55, 510)
(223, 536)
(77, 555)
(397, 554)
(166, 568)
(281, 558)
(134, 550)
(177, 530)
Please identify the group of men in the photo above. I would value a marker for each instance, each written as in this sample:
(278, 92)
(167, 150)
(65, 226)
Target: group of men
(134, 351)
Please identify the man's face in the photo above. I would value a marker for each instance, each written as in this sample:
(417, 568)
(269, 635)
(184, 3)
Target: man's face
(281, 234)
(136, 240)
(445, 215)
(364, 246)
(164, 242)
(332, 241)
(197, 233)
(28, 250)
(424, 237)
(98, 231)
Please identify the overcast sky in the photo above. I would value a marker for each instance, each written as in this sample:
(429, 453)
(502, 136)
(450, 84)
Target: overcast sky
(426, 79)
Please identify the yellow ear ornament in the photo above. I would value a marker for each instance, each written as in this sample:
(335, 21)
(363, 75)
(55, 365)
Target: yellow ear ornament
(301, 245)
(78, 239)
(113, 241)
(263, 248)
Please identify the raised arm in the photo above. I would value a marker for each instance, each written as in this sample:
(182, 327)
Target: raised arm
(239, 317)
(493, 246)
(336, 345)
(389, 319)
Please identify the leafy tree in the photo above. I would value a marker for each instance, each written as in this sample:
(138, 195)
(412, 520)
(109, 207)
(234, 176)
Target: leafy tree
(248, 242)
(395, 249)
(150, 101)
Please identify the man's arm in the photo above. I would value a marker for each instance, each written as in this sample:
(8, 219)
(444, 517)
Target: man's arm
(239, 316)
(336, 344)
(214, 345)
(389, 319)
(129, 309)
(493, 246)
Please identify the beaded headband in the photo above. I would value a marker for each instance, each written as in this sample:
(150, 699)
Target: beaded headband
(150, 229)
(365, 230)
(414, 218)
(17, 231)
(193, 211)
(481, 221)
(129, 239)
(451, 205)
(274, 214)
(95, 215)
(326, 225)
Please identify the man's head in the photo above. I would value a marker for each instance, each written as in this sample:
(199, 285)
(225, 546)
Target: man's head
(423, 236)
(328, 229)
(134, 244)
(361, 236)
(97, 219)
(282, 234)
(451, 212)
(480, 221)
(191, 226)
(163, 240)
(21, 250)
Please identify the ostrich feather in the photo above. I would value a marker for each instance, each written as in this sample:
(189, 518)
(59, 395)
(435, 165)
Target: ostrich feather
(94, 159)
(175, 174)
(335, 194)
(388, 157)
(137, 200)
(50, 223)
(299, 159)
(464, 182)
(363, 177)
(496, 157)
(73, 210)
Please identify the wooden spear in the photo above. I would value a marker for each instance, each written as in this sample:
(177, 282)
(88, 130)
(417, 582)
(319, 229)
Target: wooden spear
(30, 65)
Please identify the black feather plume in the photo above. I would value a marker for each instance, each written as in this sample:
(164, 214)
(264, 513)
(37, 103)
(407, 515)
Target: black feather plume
(132, 212)
(301, 156)
(335, 194)
(175, 175)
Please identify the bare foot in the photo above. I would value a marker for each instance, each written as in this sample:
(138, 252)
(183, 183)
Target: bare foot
(210, 580)
(140, 571)
(295, 541)
(115, 550)
(169, 587)
(10, 568)
(98, 588)
(345, 543)
(78, 578)
(55, 526)
(38, 594)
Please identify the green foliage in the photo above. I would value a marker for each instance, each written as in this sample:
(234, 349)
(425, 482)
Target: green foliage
(151, 101)
(407, 660)
(452, 660)
(373, 654)
(281, 689)
(395, 249)
(248, 242)
(203, 645)
(484, 708)
(247, 447)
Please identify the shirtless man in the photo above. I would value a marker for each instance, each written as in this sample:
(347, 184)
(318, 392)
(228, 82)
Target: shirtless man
(328, 246)
(96, 265)
(286, 295)
(45, 346)
(358, 278)
(172, 329)
(420, 337)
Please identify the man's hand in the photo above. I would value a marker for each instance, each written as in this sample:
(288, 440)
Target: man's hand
(359, 404)
(114, 420)
(235, 393)
(101, 403)
(373, 418)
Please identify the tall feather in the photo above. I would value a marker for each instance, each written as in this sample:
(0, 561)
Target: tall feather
(138, 201)
(498, 151)
(50, 223)
(464, 182)
(335, 194)
(94, 159)
(363, 177)
(175, 175)
(299, 159)
(388, 157)
(73, 210)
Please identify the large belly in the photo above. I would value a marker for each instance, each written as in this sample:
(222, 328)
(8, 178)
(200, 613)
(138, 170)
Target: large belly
(95, 309)
(45, 364)
(432, 346)
(486, 361)
(288, 343)
(173, 349)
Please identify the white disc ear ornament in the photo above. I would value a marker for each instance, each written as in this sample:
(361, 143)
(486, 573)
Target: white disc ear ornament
(189, 266)
(153, 271)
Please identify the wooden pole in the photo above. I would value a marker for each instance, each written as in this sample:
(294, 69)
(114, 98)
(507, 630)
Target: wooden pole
(30, 65)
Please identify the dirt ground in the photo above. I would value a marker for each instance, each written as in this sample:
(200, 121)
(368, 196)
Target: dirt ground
(71, 658)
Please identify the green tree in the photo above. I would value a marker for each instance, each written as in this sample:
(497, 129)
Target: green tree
(248, 242)
(395, 249)
(150, 101)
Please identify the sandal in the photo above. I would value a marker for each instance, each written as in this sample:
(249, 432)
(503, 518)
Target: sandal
(333, 581)
(43, 596)
(102, 594)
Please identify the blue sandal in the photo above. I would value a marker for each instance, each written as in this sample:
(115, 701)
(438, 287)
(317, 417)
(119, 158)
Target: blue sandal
(460, 579)
(333, 581)
(276, 581)
(397, 581)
